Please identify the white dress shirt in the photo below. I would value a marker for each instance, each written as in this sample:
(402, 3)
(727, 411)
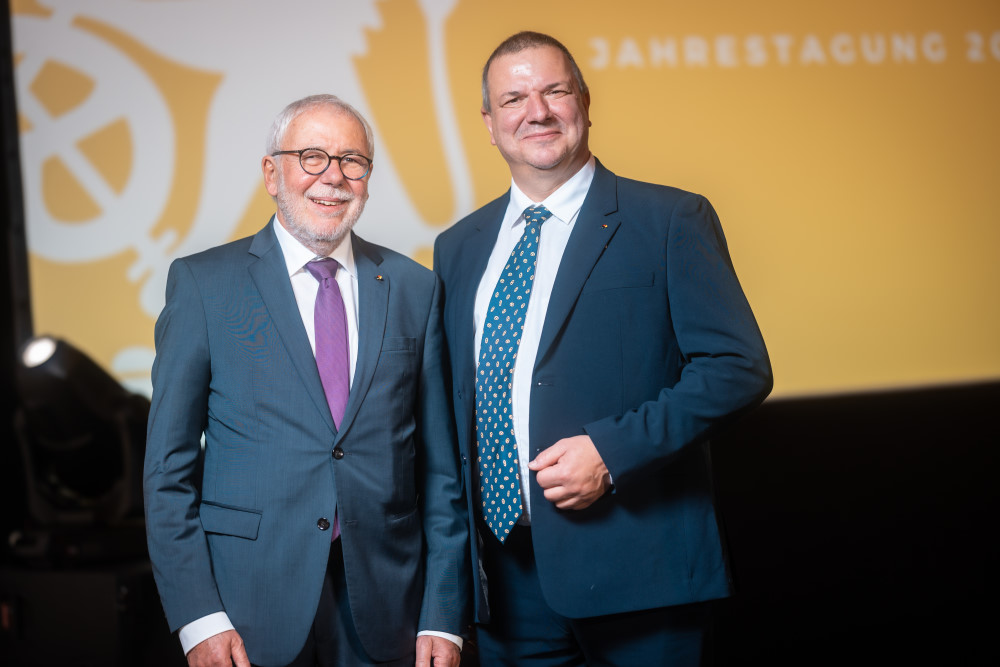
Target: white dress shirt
(564, 204)
(305, 287)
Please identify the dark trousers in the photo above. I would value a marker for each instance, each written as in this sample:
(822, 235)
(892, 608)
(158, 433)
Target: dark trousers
(524, 631)
(333, 640)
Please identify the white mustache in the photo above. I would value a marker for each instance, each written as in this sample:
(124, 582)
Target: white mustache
(341, 194)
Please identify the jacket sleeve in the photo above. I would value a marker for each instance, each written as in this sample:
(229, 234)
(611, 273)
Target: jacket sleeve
(171, 481)
(726, 370)
(447, 591)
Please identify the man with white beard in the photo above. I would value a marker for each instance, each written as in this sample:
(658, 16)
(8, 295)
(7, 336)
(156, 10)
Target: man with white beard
(323, 521)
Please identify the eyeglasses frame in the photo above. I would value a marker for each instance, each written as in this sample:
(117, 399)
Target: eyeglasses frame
(338, 158)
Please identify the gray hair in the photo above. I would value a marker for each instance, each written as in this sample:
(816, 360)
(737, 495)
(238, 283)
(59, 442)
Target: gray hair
(298, 107)
(523, 41)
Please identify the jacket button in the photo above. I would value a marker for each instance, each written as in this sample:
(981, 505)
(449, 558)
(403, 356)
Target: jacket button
(323, 524)
(338, 453)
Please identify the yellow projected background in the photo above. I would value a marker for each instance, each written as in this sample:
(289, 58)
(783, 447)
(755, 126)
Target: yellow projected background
(852, 150)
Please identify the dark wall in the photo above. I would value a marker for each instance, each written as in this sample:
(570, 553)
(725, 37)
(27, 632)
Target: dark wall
(15, 314)
(862, 529)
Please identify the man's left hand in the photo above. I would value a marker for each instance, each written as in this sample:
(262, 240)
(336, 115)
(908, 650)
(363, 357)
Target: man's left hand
(572, 473)
(443, 652)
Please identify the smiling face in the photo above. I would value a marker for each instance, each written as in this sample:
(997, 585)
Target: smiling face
(319, 211)
(538, 117)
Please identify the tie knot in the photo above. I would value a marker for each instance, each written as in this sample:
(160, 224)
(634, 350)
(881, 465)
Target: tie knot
(323, 269)
(536, 214)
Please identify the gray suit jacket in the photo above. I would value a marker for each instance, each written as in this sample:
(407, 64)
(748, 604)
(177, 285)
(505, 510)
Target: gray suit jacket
(235, 526)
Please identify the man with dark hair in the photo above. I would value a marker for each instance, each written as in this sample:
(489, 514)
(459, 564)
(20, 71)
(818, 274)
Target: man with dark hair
(323, 522)
(598, 336)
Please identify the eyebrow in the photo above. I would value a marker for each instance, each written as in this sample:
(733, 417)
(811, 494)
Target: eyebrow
(557, 84)
(349, 151)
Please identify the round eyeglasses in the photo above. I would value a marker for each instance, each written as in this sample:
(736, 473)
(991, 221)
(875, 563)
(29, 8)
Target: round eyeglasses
(314, 161)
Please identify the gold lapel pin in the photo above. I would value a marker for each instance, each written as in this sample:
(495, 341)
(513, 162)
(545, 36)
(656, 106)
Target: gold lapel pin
(378, 277)
(604, 226)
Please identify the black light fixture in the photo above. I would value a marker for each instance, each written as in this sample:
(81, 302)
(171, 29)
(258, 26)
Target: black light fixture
(81, 435)
(76, 585)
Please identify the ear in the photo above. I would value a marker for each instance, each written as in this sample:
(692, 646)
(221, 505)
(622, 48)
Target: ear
(488, 119)
(270, 169)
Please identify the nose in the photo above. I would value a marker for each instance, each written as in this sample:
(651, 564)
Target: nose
(333, 175)
(537, 107)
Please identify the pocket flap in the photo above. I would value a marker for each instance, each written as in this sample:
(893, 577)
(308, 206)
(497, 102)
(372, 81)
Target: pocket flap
(229, 521)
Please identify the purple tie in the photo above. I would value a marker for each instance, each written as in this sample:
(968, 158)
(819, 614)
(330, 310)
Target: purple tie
(332, 356)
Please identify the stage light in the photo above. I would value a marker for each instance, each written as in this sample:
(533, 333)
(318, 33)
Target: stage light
(81, 436)
(79, 558)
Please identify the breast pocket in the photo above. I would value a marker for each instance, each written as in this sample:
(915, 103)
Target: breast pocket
(399, 355)
(399, 344)
(397, 371)
(618, 280)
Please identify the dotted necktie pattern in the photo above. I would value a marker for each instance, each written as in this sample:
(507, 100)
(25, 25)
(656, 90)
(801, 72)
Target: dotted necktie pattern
(499, 477)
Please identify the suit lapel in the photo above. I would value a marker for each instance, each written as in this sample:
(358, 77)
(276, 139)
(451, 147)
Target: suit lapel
(596, 225)
(475, 256)
(373, 308)
(270, 274)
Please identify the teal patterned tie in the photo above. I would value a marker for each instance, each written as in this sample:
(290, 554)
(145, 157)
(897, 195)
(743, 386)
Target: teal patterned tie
(499, 477)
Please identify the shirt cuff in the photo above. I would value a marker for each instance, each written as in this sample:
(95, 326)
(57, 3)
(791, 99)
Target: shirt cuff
(454, 639)
(201, 629)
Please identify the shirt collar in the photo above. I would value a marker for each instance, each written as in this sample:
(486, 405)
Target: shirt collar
(297, 255)
(566, 201)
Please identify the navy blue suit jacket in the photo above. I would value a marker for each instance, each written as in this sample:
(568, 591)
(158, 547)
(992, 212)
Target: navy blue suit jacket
(648, 346)
(235, 528)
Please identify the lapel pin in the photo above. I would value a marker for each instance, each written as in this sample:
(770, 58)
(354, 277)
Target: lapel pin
(604, 226)
(378, 277)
